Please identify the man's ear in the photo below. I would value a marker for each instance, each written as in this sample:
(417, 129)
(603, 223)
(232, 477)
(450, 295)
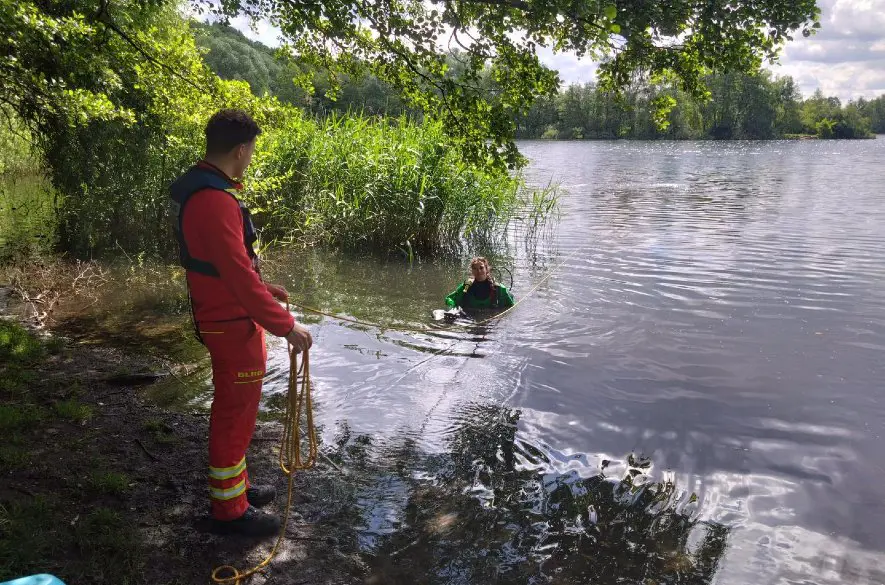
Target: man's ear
(240, 151)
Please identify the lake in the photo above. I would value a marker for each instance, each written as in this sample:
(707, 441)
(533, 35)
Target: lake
(691, 393)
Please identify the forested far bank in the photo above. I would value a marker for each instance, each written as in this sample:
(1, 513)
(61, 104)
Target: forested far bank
(424, 161)
(741, 106)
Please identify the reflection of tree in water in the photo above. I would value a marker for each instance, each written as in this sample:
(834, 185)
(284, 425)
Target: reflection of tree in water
(484, 521)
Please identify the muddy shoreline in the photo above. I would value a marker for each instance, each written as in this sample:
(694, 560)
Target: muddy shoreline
(117, 494)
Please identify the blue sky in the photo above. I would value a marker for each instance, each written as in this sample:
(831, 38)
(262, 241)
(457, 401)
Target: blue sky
(846, 58)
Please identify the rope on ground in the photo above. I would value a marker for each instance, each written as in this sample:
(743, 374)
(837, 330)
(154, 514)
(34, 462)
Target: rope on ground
(299, 404)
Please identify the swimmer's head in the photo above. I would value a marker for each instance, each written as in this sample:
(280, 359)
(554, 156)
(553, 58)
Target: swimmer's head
(480, 269)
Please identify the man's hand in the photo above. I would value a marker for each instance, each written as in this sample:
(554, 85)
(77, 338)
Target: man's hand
(278, 292)
(299, 338)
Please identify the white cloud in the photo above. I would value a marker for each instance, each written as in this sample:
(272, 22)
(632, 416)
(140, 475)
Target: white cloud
(571, 69)
(846, 57)
(262, 31)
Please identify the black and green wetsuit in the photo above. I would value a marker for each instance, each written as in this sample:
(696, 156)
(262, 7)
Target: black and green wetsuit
(480, 295)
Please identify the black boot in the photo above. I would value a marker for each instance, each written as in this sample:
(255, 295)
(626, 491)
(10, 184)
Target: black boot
(261, 495)
(252, 523)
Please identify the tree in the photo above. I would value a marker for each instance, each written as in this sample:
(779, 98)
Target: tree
(66, 63)
(543, 115)
(573, 116)
(817, 108)
(404, 43)
(875, 111)
(741, 106)
(758, 107)
(851, 123)
(65, 58)
(789, 112)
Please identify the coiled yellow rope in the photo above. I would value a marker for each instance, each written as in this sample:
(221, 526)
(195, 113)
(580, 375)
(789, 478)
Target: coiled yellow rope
(299, 404)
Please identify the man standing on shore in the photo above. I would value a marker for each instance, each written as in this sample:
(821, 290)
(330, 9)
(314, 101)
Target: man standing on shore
(231, 307)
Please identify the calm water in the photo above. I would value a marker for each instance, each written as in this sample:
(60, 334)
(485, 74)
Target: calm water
(693, 395)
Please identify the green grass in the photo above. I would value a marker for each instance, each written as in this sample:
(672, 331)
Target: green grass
(19, 352)
(54, 345)
(72, 410)
(14, 452)
(354, 182)
(274, 407)
(15, 417)
(38, 529)
(109, 546)
(155, 425)
(16, 380)
(160, 431)
(110, 483)
(27, 537)
(17, 345)
(48, 533)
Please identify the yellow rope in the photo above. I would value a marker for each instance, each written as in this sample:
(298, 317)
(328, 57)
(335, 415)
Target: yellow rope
(298, 404)
(404, 328)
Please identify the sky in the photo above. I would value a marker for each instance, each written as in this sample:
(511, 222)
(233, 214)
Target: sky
(846, 58)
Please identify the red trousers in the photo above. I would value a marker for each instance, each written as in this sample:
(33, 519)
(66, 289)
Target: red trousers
(239, 358)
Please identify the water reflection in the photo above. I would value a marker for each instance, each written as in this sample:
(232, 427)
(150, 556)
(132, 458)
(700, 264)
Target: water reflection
(476, 514)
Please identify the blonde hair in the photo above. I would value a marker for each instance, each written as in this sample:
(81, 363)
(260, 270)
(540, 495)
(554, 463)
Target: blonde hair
(478, 261)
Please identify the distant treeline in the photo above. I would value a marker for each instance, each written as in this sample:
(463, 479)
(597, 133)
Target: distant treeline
(740, 106)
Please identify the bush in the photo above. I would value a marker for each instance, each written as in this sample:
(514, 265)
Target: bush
(353, 182)
(342, 181)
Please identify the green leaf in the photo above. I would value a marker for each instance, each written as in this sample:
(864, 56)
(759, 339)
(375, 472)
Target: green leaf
(615, 28)
(611, 11)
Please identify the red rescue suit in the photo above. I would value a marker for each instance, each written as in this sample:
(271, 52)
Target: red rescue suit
(232, 308)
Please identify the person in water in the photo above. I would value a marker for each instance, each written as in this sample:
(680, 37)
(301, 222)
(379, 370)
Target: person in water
(481, 291)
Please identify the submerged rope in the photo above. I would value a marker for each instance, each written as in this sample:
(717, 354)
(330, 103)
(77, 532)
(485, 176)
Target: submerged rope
(404, 328)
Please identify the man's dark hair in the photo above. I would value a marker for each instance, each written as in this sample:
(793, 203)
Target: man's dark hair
(227, 129)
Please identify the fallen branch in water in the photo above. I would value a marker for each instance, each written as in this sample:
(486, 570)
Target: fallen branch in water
(41, 288)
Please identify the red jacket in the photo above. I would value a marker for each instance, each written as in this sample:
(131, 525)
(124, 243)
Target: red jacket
(212, 225)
